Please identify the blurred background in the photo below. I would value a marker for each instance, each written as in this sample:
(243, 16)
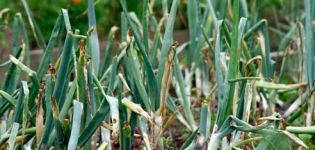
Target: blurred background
(108, 13)
(279, 13)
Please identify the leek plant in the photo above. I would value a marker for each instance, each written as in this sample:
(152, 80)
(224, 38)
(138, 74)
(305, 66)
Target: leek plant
(224, 88)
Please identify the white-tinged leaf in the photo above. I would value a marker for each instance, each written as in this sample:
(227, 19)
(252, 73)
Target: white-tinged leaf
(76, 125)
(93, 38)
(135, 108)
(13, 134)
(295, 139)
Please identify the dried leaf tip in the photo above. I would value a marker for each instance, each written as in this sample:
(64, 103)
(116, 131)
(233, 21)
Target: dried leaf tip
(82, 46)
(92, 29)
(129, 36)
(175, 45)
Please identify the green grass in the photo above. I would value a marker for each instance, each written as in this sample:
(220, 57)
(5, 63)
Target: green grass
(241, 80)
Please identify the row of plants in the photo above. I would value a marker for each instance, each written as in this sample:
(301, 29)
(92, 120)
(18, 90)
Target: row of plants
(222, 89)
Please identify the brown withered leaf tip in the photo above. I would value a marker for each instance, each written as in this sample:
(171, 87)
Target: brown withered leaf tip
(92, 29)
(82, 46)
(88, 60)
(42, 86)
(175, 44)
(115, 33)
(55, 106)
(126, 124)
(51, 70)
(129, 32)
(129, 36)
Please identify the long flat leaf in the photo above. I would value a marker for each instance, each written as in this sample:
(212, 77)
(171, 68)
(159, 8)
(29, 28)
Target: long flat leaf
(76, 123)
(8, 97)
(167, 39)
(63, 69)
(13, 134)
(36, 30)
(309, 46)
(93, 38)
(46, 58)
(48, 117)
(153, 87)
(189, 140)
(194, 28)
